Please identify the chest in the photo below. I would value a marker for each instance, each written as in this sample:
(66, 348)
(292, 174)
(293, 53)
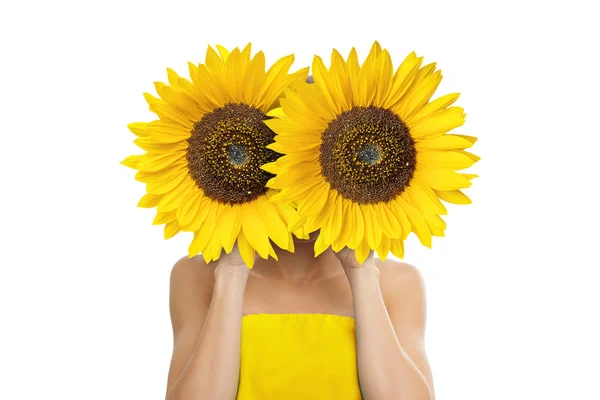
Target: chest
(269, 296)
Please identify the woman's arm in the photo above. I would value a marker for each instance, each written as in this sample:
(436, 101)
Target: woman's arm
(206, 328)
(385, 368)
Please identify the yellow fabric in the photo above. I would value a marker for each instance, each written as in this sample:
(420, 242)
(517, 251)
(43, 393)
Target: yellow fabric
(298, 356)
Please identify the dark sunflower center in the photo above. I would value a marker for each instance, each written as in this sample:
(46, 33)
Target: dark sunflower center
(368, 155)
(226, 149)
(237, 154)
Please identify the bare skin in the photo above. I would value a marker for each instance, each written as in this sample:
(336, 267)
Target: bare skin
(387, 300)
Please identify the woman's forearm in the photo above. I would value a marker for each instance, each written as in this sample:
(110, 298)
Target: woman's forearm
(213, 369)
(385, 370)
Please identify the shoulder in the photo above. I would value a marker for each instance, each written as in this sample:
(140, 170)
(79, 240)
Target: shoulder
(191, 285)
(399, 273)
(186, 270)
(400, 280)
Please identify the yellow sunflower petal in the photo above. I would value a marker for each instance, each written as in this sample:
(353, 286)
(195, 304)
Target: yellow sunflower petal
(442, 179)
(133, 161)
(205, 232)
(444, 159)
(373, 53)
(320, 244)
(276, 226)
(271, 78)
(453, 196)
(314, 202)
(254, 79)
(294, 193)
(154, 146)
(171, 229)
(276, 113)
(211, 83)
(358, 225)
(213, 249)
(186, 212)
(214, 62)
(299, 111)
(424, 198)
(301, 172)
(167, 112)
(400, 214)
(403, 78)
(389, 223)
(167, 132)
(472, 156)
(436, 105)
(223, 52)
(340, 80)
(373, 232)
(469, 176)
(438, 123)
(436, 224)
(472, 139)
(139, 128)
(384, 248)
(231, 223)
(167, 173)
(331, 230)
(384, 78)
(418, 223)
(362, 251)
(166, 185)
(321, 80)
(179, 101)
(234, 75)
(422, 88)
(397, 248)
(149, 201)
(246, 250)
(288, 214)
(297, 142)
(254, 229)
(273, 253)
(156, 162)
(171, 200)
(343, 238)
(198, 211)
(319, 220)
(444, 142)
(162, 218)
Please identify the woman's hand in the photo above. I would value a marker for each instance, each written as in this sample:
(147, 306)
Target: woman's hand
(347, 258)
(231, 264)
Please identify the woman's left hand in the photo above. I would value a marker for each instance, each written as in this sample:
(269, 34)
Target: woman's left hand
(347, 258)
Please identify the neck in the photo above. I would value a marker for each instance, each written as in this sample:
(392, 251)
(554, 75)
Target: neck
(302, 266)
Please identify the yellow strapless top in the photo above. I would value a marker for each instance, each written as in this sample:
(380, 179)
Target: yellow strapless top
(298, 356)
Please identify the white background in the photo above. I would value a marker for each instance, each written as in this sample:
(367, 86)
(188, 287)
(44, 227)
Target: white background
(512, 289)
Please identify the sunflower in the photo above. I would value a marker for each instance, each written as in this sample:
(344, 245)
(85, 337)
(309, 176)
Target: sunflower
(203, 155)
(366, 154)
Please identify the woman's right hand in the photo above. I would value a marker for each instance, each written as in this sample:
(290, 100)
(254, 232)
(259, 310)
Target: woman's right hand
(231, 263)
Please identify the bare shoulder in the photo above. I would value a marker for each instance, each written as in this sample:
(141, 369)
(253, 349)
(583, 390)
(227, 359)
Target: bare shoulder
(193, 269)
(400, 279)
(399, 273)
(191, 285)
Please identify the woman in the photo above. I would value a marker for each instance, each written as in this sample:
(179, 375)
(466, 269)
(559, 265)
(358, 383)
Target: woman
(310, 328)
